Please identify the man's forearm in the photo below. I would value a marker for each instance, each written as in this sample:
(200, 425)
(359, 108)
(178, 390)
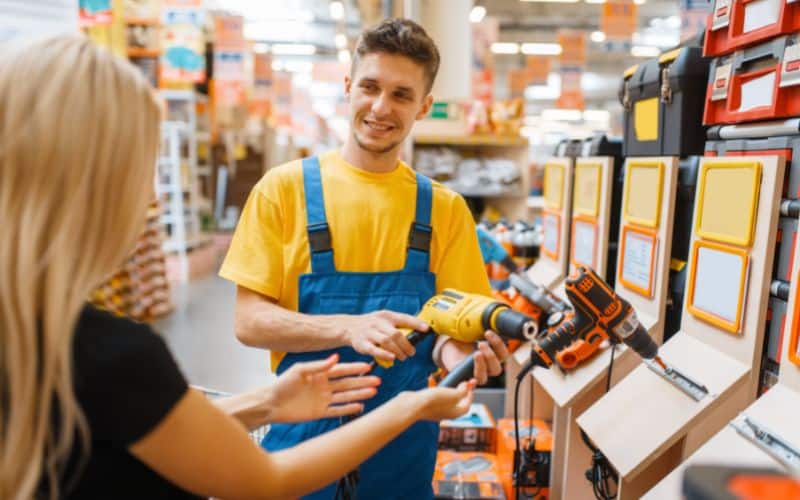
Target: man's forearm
(260, 323)
(253, 409)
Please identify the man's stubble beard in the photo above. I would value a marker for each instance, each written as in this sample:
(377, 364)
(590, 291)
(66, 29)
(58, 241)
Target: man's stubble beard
(379, 151)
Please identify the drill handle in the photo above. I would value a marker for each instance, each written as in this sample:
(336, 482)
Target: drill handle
(461, 373)
(413, 336)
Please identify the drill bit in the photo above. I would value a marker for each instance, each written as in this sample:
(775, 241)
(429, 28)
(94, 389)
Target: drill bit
(660, 362)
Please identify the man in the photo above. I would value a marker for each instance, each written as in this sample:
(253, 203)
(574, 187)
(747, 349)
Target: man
(336, 254)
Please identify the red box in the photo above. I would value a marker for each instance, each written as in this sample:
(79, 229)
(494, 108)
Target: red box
(735, 24)
(758, 83)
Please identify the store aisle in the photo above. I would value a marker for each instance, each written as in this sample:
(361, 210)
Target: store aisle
(200, 336)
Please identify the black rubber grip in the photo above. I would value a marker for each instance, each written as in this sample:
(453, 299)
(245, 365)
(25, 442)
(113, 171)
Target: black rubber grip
(559, 339)
(416, 337)
(511, 324)
(642, 343)
(461, 373)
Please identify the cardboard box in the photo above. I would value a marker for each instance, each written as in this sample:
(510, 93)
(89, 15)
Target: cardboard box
(475, 431)
(467, 476)
(536, 429)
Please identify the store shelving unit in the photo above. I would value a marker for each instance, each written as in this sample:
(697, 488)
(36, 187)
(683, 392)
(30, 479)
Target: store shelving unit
(513, 201)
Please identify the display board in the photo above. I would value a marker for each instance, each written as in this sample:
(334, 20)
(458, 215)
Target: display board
(717, 283)
(644, 179)
(639, 251)
(584, 242)
(727, 201)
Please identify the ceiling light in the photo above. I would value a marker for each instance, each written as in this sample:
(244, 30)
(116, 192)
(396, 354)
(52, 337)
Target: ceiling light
(260, 48)
(277, 65)
(294, 49)
(477, 14)
(541, 49)
(344, 56)
(639, 2)
(551, 1)
(595, 1)
(645, 51)
(505, 48)
(598, 37)
(337, 10)
(341, 40)
(564, 115)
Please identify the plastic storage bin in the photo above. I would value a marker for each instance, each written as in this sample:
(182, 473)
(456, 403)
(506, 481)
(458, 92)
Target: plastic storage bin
(736, 24)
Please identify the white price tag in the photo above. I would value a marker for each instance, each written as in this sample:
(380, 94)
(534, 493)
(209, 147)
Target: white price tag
(638, 261)
(551, 232)
(585, 241)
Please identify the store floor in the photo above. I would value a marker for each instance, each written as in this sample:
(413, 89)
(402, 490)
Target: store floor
(200, 335)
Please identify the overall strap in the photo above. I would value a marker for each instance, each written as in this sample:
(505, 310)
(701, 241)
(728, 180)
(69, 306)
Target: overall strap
(319, 235)
(419, 238)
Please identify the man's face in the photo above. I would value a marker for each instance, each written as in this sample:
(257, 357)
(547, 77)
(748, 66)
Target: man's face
(387, 93)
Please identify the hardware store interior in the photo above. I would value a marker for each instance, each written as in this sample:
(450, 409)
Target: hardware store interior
(520, 249)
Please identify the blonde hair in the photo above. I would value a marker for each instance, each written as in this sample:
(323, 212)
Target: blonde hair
(78, 145)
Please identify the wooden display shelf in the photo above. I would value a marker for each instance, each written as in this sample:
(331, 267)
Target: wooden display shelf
(138, 52)
(729, 448)
(470, 140)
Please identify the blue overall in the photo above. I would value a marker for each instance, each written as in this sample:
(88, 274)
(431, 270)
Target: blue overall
(403, 469)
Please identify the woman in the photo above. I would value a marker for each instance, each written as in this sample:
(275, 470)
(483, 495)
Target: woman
(94, 406)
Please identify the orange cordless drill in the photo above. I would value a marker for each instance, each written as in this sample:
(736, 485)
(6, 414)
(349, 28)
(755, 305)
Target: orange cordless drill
(599, 314)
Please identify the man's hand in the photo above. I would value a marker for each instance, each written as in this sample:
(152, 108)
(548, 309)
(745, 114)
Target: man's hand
(489, 355)
(378, 334)
(321, 389)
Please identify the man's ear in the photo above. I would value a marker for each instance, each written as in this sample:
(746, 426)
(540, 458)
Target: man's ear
(347, 83)
(427, 102)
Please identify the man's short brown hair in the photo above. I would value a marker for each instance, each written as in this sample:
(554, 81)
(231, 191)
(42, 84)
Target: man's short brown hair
(401, 37)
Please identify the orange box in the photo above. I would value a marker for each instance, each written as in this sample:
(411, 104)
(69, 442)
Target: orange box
(505, 454)
(467, 475)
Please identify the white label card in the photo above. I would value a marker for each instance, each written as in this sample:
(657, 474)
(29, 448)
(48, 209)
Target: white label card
(760, 14)
(551, 230)
(758, 92)
(637, 261)
(718, 282)
(585, 236)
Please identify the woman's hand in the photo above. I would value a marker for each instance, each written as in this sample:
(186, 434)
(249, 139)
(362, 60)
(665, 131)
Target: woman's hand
(321, 389)
(440, 403)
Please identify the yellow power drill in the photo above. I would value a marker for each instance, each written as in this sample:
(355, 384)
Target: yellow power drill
(466, 316)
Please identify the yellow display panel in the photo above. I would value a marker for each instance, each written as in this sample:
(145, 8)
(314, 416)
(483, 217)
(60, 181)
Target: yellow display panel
(551, 221)
(794, 345)
(638, 248)
(727, 201)
(586, 199)
(554, 185)
(644, 183)
(583, 246)
(645, 119)
(717, 281)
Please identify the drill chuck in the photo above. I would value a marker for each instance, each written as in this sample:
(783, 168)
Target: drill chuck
(635, 336)
(509, 323)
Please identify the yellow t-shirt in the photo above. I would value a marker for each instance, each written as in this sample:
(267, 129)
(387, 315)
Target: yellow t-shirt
(369, 216)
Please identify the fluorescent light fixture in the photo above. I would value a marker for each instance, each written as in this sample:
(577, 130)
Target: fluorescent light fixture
(294, 49)
(505, 48)
(260, 48)
(639, 2)
(341, 40)
(596, 115)
(541, 49)
(595, 1)
(343, 56)
(551, 1)
(477, 14)
(549, 92)
(645, 51)
(564, 115)
(337, 10)
(597, 37)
